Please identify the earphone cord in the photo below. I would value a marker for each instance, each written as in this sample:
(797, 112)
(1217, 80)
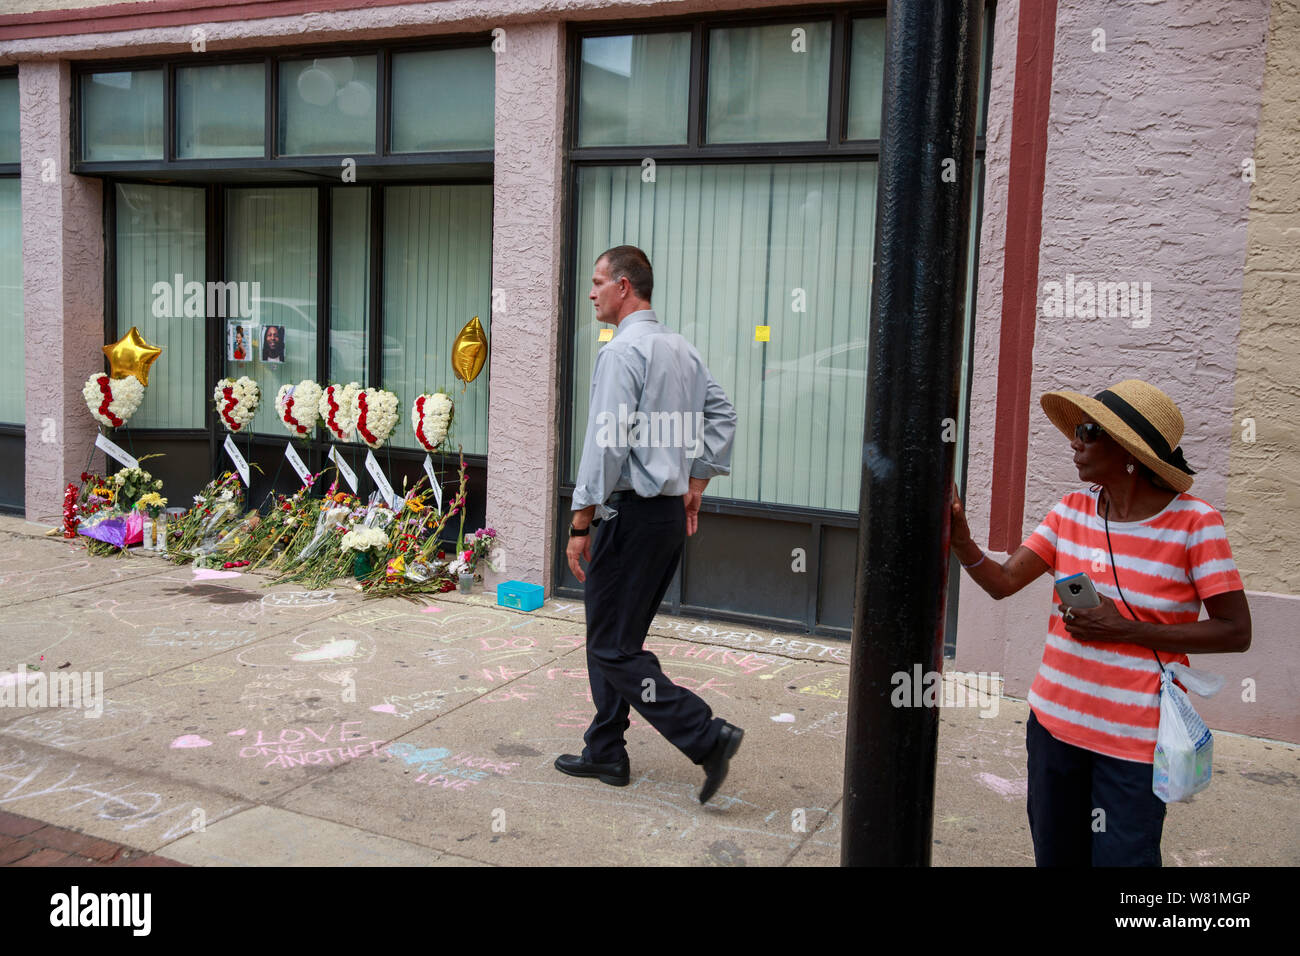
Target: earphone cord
(1114, 571)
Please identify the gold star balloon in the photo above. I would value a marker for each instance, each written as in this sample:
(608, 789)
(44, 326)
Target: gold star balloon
(469, 351)
(131, 355)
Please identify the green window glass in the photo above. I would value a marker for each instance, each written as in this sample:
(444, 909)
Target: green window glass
(8, 119)
(769, 83)
(13, 377)
(437, 276)
(734, 246)
(866, 77)
(443, 100)
(220, 111)
(161, 290)
(122, 115)
(271, 246)
(635, 90)
(327, 106)
(349, 284)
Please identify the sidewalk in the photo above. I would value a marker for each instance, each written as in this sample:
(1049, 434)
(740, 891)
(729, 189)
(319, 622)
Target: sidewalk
(254, 725)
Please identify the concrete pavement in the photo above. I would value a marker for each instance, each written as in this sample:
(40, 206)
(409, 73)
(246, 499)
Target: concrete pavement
(253, 725)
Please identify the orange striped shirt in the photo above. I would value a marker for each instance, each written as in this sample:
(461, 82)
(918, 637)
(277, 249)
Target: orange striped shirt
(1106, 697)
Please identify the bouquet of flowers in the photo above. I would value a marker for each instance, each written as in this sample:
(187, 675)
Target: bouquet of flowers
(219, 503)
(336, 408)
(236, 400)
(131, 484)
(480, 548)
(299, 407)
(322, 558)
(375, 413)
(112, 400)
(432, 414)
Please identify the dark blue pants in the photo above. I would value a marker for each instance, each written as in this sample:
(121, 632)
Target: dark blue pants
(1068, 786)
(633, 559)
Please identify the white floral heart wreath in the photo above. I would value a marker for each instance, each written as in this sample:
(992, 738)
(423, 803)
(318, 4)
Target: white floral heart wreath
(236, 400)
(432, 414)
(336, 409)
(374, 411)
(112, 400)
(299, 407)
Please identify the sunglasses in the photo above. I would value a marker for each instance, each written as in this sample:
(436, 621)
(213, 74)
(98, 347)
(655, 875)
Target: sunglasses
(1088, 433)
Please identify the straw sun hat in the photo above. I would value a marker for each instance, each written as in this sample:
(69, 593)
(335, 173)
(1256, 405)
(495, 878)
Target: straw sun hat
(1141, 418)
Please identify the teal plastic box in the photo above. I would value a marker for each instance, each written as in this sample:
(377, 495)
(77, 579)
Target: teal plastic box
(519, 595)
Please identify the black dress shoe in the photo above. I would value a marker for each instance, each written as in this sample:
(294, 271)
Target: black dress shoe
(716, 763)
(615, 774)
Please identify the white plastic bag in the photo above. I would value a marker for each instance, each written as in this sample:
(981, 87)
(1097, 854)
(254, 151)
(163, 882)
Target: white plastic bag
(1184, 747)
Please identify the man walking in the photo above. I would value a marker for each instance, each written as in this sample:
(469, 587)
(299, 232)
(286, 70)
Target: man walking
(660, 427)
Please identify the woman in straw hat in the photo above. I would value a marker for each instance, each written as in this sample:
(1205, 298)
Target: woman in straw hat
(1154, 554)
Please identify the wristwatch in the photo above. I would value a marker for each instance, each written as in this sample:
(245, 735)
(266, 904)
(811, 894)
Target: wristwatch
(578, 532)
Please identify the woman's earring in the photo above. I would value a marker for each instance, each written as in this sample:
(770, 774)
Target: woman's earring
(1129, 467)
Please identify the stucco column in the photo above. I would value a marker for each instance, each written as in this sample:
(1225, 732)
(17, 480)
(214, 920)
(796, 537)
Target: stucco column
(526, 263)
(63, 289)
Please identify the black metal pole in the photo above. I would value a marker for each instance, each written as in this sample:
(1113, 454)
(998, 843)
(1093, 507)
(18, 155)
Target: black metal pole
(932, 56)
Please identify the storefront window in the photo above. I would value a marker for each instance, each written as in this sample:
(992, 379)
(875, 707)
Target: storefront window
(220, 111)
(635, 89)
(12, 362)
(271, 245)
(739, 246)
(327, 106)
(769, 83)
(866, 77)
(8, 119)
(122, 115)
(161, 290)
(437, 276)
(443, 99)
(350, 244)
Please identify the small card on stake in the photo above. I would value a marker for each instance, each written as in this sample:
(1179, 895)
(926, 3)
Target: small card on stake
(377, 473)
(434, 483)
(348, 474)
(111, 449)
(237, 458)
(292, 454)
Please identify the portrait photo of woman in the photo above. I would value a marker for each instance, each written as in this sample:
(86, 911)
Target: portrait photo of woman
(237, 348)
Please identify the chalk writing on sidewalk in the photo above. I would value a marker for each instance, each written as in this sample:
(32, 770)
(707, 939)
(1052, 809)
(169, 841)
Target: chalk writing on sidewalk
(442, 769)
(294, 747)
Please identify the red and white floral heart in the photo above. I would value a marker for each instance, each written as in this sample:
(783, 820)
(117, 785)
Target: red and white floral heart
(112, 400)
(236, 400)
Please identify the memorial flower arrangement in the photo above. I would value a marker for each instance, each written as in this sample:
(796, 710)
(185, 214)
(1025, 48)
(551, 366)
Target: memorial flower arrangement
(131, 484)
(152, 504)
(432, 414)
(374, 411)
(112, 400)
(219, 503)
(299, 407)
(336, 409)
(236, 401)
(480, 548)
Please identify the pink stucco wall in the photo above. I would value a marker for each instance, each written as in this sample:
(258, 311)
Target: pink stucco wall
(63, 289)
(526, 263)
(1143, 183)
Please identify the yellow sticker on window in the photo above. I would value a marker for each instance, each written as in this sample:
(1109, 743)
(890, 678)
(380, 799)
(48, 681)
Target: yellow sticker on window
(605, 335)
(762, 333)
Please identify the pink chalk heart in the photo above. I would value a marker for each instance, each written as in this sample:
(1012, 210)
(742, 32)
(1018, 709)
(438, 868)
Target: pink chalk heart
(211, 574)
(190, 740)
(430, 610)
(384, 709)
(784, 718)
(236, 733)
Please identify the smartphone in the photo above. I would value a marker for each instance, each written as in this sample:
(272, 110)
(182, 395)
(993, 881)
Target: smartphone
(1077, 591)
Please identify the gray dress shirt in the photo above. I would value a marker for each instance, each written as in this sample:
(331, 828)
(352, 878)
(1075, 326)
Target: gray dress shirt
(657, 418)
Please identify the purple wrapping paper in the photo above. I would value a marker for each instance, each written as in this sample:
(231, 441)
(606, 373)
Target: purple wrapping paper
(119, 531)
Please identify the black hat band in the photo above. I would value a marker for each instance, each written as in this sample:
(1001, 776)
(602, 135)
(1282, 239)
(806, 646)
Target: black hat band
(1135, 420)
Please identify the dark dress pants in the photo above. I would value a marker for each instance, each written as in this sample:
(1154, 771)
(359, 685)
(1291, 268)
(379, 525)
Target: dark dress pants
(1087, 809)
(633, 559)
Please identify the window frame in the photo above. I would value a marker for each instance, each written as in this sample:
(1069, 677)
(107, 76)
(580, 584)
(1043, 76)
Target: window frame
(448, 165)
(14, 171)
